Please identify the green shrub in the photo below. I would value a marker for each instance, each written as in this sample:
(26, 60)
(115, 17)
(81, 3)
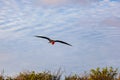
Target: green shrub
(95, 74)
(34, 76)
(104, 74)
(77, 77)
(37, 76)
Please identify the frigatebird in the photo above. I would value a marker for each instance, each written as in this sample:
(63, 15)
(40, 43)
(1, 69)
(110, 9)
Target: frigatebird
(53, 41)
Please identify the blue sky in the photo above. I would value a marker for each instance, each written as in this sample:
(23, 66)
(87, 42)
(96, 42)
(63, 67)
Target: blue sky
(91, 26)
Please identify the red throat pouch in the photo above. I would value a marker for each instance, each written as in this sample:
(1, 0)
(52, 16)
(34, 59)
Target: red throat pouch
(52, 42)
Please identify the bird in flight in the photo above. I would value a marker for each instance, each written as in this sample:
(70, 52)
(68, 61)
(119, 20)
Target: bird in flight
(53, 41)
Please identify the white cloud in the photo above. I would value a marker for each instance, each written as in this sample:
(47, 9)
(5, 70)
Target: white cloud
(112, 21)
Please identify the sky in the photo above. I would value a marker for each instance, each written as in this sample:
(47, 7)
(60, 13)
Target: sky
(91, 26)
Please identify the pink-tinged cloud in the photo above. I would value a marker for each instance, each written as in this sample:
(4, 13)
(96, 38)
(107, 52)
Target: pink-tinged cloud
(49, 2)
(82, 2)
(52, 2)
(4, 57)
(114, 21)
(64, 2)
(106, 0)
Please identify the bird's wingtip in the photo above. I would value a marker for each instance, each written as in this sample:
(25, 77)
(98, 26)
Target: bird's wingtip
(36, 36)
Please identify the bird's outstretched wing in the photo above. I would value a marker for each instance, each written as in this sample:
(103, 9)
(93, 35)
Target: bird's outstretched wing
(63, 42)
(43, 37)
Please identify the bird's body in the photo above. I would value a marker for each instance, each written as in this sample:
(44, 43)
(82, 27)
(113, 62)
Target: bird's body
(53, 41)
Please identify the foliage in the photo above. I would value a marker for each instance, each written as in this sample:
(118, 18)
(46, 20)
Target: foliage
(94, 74)
(104, 74)
(37, 76)
(97, 74)
(1, 77)
(76, 77)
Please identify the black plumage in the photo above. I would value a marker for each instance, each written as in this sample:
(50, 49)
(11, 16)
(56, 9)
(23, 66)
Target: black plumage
(53, 41)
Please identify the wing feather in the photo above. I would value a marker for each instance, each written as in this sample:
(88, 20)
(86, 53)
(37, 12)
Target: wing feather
(63, 42)
(43, 37)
